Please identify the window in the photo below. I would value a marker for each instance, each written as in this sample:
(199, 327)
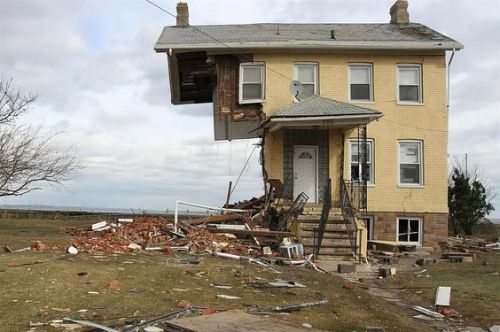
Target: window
(356, 168)
(409, 230)
(410, 163)
(251, 83)
(360, 82)
(307, 74)
(409, 84)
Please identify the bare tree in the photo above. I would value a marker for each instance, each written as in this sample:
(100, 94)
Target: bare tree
(27, 157)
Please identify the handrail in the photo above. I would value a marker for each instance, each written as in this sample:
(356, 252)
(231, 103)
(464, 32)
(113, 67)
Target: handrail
(327, 205)
(348, 213)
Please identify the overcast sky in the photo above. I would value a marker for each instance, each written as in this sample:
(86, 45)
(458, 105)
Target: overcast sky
(99, 81)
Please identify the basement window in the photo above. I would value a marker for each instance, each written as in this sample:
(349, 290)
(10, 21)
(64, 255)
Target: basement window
(356, 168)
(410, 163)
(307, 75)
(360, 83)
(409, 84)
(251, 88)
(409, 230)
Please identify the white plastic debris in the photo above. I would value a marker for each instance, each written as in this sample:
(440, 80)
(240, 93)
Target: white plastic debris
(443, 296)
(100, 226)
(228, 297)
(72, 250)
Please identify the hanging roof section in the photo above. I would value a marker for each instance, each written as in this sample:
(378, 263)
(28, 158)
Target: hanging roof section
(411, 36)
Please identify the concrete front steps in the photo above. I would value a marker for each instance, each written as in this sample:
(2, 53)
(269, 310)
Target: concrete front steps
(335, 242)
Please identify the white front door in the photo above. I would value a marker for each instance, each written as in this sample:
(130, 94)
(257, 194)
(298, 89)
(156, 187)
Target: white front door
(305, 168)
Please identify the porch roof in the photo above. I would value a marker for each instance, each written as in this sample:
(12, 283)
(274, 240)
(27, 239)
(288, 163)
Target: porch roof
(321, 111)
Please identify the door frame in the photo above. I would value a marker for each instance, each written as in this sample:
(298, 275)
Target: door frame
(316, 172)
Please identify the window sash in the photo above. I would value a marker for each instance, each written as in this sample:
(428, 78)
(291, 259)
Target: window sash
(360, 82)
(251, 87)
(307, 83)
(409, 83)
(409, 230)
(410, 166)
(355, 168)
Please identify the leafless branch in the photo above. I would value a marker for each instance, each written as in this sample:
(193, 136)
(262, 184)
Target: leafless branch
(27, 157)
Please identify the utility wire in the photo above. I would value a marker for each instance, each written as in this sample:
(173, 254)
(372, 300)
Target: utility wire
(243, 169)
(212, 37)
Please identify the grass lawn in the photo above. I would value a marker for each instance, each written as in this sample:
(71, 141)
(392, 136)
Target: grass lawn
(475, 287)
(136, 286)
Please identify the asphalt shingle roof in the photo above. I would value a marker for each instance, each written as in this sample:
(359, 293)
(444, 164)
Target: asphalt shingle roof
(316, 106)
(381, 35)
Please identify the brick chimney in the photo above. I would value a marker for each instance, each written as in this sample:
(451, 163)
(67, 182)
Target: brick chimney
(399, 12)
(182, 14)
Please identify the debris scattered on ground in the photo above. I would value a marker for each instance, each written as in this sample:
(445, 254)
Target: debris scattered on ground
(290, 308)
(89, 324)
(276, 284)
(228, 297)
(72, 250)
(428, 312)
(443, 296)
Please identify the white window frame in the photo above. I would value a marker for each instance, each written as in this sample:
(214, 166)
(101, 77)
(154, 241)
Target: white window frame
(421, 163)
(420, 89)
(262, 67)
(420, 230)
(371, 156)
(315, 66)
(370, 82)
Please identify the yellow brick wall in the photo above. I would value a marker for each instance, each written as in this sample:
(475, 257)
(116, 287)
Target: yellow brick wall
(427, 122)
(273, 150)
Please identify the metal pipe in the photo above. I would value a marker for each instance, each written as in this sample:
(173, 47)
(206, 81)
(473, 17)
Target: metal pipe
(448, 80)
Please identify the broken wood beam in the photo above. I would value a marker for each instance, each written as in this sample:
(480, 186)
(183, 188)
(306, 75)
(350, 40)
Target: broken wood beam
(252, 232)
(216, 219)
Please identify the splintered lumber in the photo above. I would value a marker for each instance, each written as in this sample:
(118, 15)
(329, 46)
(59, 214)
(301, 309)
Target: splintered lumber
(252, 232)
(216, 219)
(290, 308)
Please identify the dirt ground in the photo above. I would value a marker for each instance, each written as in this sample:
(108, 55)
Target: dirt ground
(120, 289)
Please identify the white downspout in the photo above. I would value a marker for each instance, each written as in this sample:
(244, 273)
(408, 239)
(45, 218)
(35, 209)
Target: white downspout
(448, 82)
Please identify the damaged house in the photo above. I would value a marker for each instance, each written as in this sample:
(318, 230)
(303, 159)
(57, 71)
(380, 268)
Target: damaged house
(353, 118)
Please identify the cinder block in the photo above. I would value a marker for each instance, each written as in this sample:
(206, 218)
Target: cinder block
(385, 272)
(456, 259)
(425, 261)
(388, 260)
(346, 268)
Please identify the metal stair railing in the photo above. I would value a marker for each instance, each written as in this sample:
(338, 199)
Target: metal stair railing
(293, 211)
(348, 214)
(327, 205)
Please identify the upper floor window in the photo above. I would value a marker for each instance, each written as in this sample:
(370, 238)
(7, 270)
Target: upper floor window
(307, 74)
(409, 84)
(360, 82)
(410, 163)
(355, 161)
(252, 78)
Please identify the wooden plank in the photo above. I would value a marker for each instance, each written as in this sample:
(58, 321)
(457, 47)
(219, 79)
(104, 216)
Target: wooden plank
(235, 321)
(216, 219)
(253, 232)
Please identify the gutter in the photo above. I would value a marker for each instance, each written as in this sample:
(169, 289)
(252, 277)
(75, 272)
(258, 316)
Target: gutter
(305, 45)
(316, 118)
